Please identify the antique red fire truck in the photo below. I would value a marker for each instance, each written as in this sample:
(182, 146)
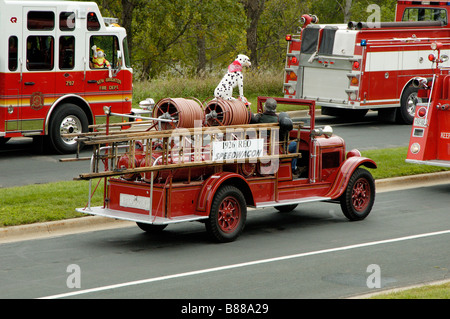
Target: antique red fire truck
(208, 164)
(430, 136)
(61, 62)
(350, 69)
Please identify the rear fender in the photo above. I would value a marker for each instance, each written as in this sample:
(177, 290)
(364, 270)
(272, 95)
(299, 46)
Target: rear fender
(346, 170)
(213, 183)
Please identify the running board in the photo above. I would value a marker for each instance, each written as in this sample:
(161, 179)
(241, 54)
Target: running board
(140, 218)
(292, 202)
(441, 163)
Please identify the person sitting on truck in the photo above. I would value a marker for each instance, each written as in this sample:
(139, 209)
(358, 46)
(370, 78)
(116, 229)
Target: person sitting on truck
(269, 115)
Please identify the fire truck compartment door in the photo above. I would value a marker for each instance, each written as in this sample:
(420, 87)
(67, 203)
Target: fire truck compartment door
(344, 42)
(327, 84)
(13, 111)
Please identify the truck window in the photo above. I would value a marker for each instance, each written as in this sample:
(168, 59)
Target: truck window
(310, 39)
(66, 52)
(12, 53)
(126, 53)
(109, 44)
(327, 43)
(92, 22)
(40, 52)
(425, 14)
(67, 21)
(41, 20)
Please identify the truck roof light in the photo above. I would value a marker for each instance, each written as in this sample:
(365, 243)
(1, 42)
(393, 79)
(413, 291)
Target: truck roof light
(288, 37)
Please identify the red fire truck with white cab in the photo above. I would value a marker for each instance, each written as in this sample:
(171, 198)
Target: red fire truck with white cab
(361, 66)
(430, 136)
(61, 63)
(207, 163)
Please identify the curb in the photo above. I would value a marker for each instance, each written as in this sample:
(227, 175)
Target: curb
(92, 223)
(59, 228)
(405, 182)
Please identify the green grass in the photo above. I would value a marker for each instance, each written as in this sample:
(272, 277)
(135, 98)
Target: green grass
(391, 163)
(425, 292)
(45, 202)
(256, 83)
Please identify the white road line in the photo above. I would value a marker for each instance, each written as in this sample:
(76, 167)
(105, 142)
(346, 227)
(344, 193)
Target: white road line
(246, 264)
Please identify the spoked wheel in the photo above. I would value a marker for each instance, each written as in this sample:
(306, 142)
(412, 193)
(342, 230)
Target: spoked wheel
(358, 198)
(228, 214)
(215, 115)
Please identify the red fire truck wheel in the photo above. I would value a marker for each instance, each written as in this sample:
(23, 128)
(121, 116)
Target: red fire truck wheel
(358, 198)
(228, 214)
(67, 119)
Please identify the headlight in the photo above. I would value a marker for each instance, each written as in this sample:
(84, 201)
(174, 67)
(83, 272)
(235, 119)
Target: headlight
(415, 148)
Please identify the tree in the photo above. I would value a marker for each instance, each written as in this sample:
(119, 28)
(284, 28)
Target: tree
(253, 10)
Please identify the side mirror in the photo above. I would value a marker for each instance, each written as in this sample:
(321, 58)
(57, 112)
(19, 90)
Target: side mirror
(118, 65)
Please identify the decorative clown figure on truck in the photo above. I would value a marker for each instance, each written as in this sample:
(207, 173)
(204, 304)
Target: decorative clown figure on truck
(99, 59)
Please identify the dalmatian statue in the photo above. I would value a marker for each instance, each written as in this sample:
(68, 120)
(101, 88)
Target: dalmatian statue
(233, 78)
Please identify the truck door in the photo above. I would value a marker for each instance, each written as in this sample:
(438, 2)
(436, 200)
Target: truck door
(38, 65)
(101, 88)
(69, 77)
(12, 102)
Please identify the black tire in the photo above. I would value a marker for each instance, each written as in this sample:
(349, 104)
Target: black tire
(286, 208)
(359, 196)
(344, 113)
(68, 118)
(4, 140)
(406, 112)
(150, 228)
(228, 214)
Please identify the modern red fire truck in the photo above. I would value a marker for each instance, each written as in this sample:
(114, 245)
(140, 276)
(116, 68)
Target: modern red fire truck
(216, 164)
(54, 75)
(366, 65)
(430, 136)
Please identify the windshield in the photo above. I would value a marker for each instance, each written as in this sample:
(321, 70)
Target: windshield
(425, 14)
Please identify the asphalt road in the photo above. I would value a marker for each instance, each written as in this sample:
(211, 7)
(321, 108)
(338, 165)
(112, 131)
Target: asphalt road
(313, 252)
(21, 163)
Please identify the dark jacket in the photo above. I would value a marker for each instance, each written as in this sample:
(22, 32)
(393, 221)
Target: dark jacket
(266, 117)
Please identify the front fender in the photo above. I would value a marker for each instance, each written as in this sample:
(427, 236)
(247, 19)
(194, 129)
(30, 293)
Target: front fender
(213, 183)
(346, 170)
